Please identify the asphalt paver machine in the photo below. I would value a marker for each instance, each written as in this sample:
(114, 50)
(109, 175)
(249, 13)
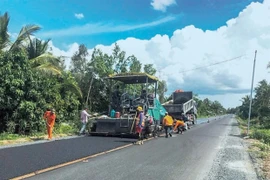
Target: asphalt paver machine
(137, 89)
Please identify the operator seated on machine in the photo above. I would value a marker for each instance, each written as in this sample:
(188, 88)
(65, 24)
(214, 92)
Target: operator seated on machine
(143, 94)
(179, 125)
(116, 97)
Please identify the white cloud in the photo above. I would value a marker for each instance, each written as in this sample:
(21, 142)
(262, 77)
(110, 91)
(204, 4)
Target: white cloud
(79, 16)
(161, 5)
(192, 47)
(98, 28)
(65, 54)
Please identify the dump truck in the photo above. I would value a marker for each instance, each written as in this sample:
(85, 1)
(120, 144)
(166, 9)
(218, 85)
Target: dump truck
(120, 119)
(182, 103)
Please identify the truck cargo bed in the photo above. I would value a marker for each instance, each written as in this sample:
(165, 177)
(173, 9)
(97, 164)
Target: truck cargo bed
(173, 108)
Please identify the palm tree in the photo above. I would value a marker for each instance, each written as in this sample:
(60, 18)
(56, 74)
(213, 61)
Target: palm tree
(25, 32)
(4, 36)
(36, 49)
(39, 58)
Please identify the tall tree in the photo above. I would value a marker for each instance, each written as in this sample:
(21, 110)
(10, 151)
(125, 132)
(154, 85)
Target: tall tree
(79, 60)
(162, 89)
(120, 60)
(135, 64)
(149, 69)
(81, 71)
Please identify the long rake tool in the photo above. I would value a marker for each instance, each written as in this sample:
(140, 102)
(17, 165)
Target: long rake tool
(46, 123)
(133, 122)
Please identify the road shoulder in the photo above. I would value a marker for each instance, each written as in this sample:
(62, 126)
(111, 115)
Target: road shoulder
(233, 160)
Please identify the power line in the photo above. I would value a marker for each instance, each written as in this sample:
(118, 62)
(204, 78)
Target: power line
(212, 64)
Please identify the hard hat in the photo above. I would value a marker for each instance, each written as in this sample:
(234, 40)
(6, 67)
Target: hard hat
(139, 108)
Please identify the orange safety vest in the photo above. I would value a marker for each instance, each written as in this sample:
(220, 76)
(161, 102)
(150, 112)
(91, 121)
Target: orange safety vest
(168, 120)
(51, 119)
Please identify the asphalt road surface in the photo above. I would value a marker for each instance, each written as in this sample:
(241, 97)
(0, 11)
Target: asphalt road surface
(24, 159)
(208, 151)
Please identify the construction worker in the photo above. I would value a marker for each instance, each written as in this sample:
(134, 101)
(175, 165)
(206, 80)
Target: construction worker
(84, 120)
(50, 120)
(47, 112)
(168, 123)
(186, 120)
(140, 124)
(179, 125)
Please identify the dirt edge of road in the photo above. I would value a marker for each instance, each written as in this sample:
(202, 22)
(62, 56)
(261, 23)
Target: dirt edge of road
(261, 164)
(259, 152)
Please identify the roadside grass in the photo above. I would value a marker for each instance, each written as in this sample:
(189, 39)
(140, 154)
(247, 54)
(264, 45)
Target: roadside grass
(60, 130)
(259, 144)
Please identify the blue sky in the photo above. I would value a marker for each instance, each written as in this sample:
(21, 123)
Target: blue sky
(179, 47)
(106, 21)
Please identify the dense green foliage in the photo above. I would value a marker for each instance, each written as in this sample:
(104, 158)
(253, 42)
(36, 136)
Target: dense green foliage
(260, 108)
(26, 93)
(207, 107)
(260, 111)
(262, 134)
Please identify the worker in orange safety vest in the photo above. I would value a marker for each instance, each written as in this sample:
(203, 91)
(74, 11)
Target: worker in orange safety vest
(179, 125)
(168, 124)
(50, 117)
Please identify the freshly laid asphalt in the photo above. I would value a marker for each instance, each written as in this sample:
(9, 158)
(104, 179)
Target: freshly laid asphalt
(20, 160)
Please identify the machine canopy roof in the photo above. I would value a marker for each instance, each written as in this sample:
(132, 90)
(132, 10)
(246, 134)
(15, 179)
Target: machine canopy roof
(134, 78)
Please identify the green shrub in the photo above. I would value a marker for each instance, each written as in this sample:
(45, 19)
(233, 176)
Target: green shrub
(65, 128)
(8, 136)
(11, 125)
(262, 134)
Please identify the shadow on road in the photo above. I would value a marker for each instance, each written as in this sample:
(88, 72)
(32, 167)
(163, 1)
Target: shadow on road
(125, 141)
(237, 135)
(232, 124)
(37, 139)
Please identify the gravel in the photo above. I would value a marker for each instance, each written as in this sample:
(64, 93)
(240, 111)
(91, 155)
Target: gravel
(232, 161)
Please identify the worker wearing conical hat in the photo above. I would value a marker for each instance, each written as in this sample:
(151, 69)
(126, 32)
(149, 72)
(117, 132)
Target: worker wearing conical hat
(140, 124)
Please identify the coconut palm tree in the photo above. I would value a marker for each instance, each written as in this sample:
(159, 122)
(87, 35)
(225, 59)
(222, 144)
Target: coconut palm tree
(36, 49)
(39, 58)
(25, 32)
(4, 36)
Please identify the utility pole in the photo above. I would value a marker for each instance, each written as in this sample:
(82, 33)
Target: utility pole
(90, 86)
(250, 98)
